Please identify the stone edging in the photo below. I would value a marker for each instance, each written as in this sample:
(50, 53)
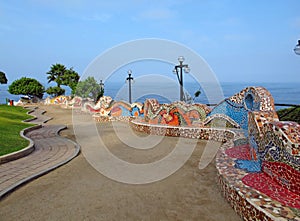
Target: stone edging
(29, 113)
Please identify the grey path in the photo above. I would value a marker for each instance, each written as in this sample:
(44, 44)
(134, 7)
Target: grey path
(38, 113)
(51, 151)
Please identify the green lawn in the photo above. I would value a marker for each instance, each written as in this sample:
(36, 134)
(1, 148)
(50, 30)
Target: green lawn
(11, 124)
(294, 115)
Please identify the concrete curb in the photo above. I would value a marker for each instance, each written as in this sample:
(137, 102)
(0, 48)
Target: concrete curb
(35, 117)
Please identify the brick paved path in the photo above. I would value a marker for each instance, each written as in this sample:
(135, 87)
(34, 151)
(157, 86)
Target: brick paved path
(39, 114)
(51, 151)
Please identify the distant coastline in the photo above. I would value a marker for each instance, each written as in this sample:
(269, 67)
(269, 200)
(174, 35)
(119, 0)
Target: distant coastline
(287, 93)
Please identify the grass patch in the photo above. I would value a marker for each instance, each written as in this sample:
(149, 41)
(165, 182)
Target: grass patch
(11, 124)
(292, 116)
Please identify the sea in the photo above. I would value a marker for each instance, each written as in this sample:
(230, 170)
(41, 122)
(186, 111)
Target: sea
(283, 93)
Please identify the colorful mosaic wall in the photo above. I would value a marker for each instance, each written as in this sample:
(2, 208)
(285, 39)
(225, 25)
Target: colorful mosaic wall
(263, 172)
(107, 107)
(275, 149)
(174, 114)
(76, 102)
(103, 106)
(186, 132)
(102, 119)
(57, 100)
(253, 195)
(238, 106)
(258, 165)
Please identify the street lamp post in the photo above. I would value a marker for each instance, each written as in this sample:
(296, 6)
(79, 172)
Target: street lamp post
(180, 68)
(101, 88)
(297, 48)
(129, 79)
(101, 85)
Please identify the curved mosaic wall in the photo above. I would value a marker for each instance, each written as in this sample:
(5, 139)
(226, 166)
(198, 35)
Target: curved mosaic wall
(238, 106)
(174, 114)
(258, 165)
(62, 99)
(262, 172)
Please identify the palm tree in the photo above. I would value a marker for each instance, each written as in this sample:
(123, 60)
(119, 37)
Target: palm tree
(55, 74)
(62, 76)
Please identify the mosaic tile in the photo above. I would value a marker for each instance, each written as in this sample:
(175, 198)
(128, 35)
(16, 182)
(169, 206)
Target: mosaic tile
(106, 106)
(266, 185)
(249, 201)
(249, 165)
(239, 152)
(240, 142)
(174, 114)
(62, 99)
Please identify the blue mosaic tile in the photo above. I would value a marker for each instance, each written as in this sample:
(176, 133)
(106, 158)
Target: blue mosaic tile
(250, 166)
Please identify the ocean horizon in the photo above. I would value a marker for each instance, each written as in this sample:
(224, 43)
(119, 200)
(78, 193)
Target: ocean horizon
(283, 93)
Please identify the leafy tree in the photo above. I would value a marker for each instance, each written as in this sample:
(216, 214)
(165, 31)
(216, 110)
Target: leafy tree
(62, 76)
(70, 78)
(3, 79)
(27, 86)
(89, 88)
(55, 91)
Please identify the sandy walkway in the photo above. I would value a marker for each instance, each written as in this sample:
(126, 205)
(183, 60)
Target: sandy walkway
(77, 191)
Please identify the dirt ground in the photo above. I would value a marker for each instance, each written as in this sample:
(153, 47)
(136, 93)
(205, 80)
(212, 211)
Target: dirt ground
(76, 191)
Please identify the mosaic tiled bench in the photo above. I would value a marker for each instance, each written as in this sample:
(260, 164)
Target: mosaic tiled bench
(201, 133)
(252, 193)
(103, 119)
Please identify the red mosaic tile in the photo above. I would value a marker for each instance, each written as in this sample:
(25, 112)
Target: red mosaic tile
(239, 152)
(265, 184)
(283, 174)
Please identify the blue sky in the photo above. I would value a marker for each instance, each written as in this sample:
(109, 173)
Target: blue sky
(242, 41)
